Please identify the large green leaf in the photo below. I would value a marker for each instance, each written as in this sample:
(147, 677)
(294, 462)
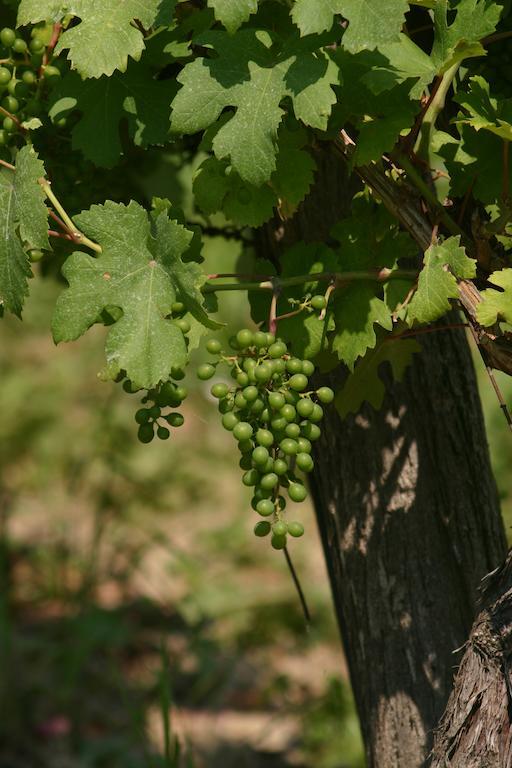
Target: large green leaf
(372, 23)
(23, 223)
(105, 36)
(484, 112)
(497, 305)
(474, 20)
(314, 16)
(233, 13)
(254, 77)
(134, 96)
(140, 271)
(437, 282)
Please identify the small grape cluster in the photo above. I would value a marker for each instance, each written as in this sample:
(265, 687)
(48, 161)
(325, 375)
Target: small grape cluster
(22, 77)
(168, 394)
(274, 416)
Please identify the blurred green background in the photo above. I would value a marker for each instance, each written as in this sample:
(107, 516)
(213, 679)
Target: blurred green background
(141, 623)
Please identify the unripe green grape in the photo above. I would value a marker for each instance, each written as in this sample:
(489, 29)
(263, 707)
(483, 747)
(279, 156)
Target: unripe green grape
(251, 477)
(278, 542)
(242, 431)
(7, 37)
(257, 407)
(249, 364)
(265, 507)
(305, 407)
(317, 415)
(205, 371)
(318, 302)
(292, 397)
(229, 421)
(268, 466)
(175, 419)
(163, 433)
(4, 137)
(29, 77)
(298, 382)
(292, 430)
(240, 401)
(35, 255)
(297, 492)
(11, 104)
(325, 395)
(288, 446)
(308, 368)
(9, 125)
(311, 431)
(295, 529)
(250, 393)
(129, 387)
(5, 75)
(262, 528)
(265, 438)
(246, 446)
(276, 400)
(280, 467)
(219, 390)
(278, 349)
(242, 379)
(269, 481)
(177, 373)
(181, 393)
(37, 45)
(260, 339)
(244, 338)
(269, 339)
(19, 45)
(51, 73)
(146, 433)
(213, 346)
(60, 122)
(278, 424)
(294, 365)
(17, 88)
(260, 455)
(304, 462)
(245, 462)
(279, 528)
(304, 445)
(168, 390)
(288, 412)
(263, 372)
(142, 416)
(182, 324)
(226, 405)
(155, 412)
(177, 308)
(265, 415)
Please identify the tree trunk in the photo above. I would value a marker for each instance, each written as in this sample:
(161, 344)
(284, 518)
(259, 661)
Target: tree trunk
(409, 519)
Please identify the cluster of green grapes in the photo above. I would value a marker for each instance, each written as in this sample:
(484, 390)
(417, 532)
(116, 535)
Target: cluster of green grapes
(151, 418)
(274, 415)
(23, 78)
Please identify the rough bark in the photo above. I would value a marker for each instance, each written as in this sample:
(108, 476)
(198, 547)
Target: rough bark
(409, 519)
(476, 730)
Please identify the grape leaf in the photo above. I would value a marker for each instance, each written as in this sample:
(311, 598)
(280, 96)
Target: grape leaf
(315, 17)
(475, 19)
(365, 383)
(496, 305)
(371, 24)
(23, 220)
(397, 63)
(134, 96)
(254, 77)
(105, 36)
(485, 113)
(437, 282)
(141, 272)
(233, 13)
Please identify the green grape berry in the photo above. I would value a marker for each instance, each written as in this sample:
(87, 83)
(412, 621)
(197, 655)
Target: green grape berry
(278, 349)
(318, 302)
(181, 393)
(305, 407)
(265, 507)
(7, 37)
(288, 412)
(28, 77)
(142, 416)
(279, 528)
(317, 415)
(264, 437)
(11, 104)
(4, 137)
(177, 373)
(229, 421)
(243, 431)
(325, 395)
(311, 431)
(205, 371)
(250, 393)
(304, 445)
(278, 542)
(213, 346)
(276, 400)
(35, 255)
(244, 338)
(175, 419)
(297, 492)
(19, 45)
(5, 75)
(263, 372)
(292, 430)
(280, 467)
(308, 368)
(288, 446)
(304, 462)
(260, 455)
(9, 125)
(154, 412)
(251, 477)
(269, 481)
(37, 45)
(294, 365)
(262, 528)
(177, 308)
(260, 339)
(295, 529)
(146, 433)
(183, 324)
(219, 390)
(163, 433)
(51, 73)
(298, 382)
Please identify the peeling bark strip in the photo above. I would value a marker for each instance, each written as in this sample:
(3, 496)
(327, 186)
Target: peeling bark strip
(476, 729)
(409, 518)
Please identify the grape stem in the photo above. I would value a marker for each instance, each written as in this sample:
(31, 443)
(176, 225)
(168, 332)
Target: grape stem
(5, 164)
(15, 120)
(62, 235)
(61, 224)
(77, 236)
(298, 587)
(272, 318)
(336, 278)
